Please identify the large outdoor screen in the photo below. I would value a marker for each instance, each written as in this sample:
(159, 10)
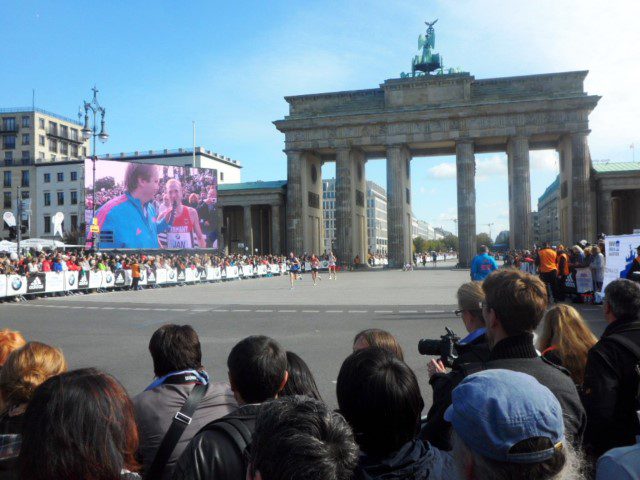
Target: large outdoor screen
(146, 206)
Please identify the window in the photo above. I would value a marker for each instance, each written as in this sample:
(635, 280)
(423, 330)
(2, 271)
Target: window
(64, 131)
(74, 176)
(7, 179)
(60, 198)
(8, 158)
(74, 221)
(74, 151)
(47, 224)
(25, 178)
(47, 199)
(64, 148)
(53, 128)
(74, 134)
(9, 124)
(47, 178)
(25, 157)
(74, 197)
(41, 140)
(9, 141)
(7, 199)
(53, 158)
(222, 176)
(41, 123)
(53, 145)
(60, 176)
(84, 151)
(41, 155)
(26, 122)
(26, 139)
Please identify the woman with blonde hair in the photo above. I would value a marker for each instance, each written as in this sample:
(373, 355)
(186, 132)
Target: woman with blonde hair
(566, 340)
(10, 340)
(25, 369)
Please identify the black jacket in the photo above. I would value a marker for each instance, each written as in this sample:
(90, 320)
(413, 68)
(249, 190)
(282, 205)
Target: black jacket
(518, 354)
(634, 271)
(609, 391)
(212, 455)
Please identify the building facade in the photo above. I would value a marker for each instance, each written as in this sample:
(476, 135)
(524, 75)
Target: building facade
(548, 215)
(377, 218)
(32, 137)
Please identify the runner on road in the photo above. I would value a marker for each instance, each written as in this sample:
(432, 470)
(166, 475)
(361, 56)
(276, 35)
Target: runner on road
(332, 266)
(315, 265)
(294, 268)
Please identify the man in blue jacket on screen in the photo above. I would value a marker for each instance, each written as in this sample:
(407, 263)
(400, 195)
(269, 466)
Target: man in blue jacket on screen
(131, 217)
(482, 265)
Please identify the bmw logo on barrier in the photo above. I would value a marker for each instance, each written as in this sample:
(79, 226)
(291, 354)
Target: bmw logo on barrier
(109, 278)
(171, 274)
(16, 283)
(72, 280)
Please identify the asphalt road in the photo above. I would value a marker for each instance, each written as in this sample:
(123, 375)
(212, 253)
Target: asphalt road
(111, 331)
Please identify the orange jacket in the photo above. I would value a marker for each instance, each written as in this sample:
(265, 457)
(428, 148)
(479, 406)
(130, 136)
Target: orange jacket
(564, 268)
(547, 258)
(135, 270)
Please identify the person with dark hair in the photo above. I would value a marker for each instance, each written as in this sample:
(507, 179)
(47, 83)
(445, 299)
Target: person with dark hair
(374, 337)
(634, 271)
(79, 425)
(301, 381)
(177, 366)
(257, 373)
(298, 438)
(379, 396)
(514, 305)
(610, 391)
(518, 436)
(131, 217)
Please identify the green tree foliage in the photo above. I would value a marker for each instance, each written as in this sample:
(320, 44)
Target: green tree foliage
(105, 182)
(483, 239)
(419, 245)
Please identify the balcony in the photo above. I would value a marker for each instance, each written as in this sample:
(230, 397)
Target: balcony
(55, 133)
(8, 129)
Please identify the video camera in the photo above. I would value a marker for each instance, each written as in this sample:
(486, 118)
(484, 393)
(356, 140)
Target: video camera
(445, 347)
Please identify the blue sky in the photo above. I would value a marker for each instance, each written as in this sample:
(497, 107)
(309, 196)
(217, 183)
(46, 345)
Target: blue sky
(227, 65)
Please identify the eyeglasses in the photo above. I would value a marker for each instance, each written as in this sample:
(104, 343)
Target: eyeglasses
(458, 312)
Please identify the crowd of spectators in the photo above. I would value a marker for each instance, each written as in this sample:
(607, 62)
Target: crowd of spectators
(564, 406)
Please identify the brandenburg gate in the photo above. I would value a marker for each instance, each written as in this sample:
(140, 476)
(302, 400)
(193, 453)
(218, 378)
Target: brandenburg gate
(430, 115)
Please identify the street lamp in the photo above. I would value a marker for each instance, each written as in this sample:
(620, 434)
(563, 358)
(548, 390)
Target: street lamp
(92, 132)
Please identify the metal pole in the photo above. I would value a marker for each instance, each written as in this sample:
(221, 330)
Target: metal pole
(19, 222)
(193, 163)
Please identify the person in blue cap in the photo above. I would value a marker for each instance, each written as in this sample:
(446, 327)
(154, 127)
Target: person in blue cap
(507, 425)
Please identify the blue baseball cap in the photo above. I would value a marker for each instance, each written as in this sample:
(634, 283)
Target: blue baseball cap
(493, 410)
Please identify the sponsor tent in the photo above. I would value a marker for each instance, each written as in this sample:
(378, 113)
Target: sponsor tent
(620, 250)
(7, 246)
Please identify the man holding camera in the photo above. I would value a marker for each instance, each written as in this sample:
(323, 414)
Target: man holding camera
(513, 307)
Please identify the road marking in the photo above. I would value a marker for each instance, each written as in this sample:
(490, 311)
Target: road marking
(407, 311)
(264, 311)
(159, 309)
(176, 309)
(125, 308)
(199, 310)
(310, 311)
(287, 311)
(335, 311)
(357, 311)
(240, 310)
(383, 311)
(108, 308)
(220, 310)
(92, 308)
(76, 308)
(142, 309)
(438, 311)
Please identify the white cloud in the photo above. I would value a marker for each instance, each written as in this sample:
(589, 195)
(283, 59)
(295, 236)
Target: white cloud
(442, 171)
(544, 160)
(492, 166)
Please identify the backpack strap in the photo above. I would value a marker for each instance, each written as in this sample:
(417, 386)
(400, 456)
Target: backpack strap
(237, 431)
(180, 422)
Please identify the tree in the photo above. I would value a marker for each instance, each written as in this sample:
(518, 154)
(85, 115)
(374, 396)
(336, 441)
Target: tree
(419, 245)
(451, 242)
(105, 182)
(483, 239)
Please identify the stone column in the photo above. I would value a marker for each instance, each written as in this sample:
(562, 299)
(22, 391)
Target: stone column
(605, 215)
(219, 223)
(275, 229)
(248, 228)
(519, 193)
(465, 174)
(580, 190)
(344, 206)
(398, 205)
(294, 202)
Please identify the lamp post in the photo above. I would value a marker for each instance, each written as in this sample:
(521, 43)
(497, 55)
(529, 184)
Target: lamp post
(92, 132)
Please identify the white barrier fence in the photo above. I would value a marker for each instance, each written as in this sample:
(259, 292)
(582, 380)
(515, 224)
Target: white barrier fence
(55, 282)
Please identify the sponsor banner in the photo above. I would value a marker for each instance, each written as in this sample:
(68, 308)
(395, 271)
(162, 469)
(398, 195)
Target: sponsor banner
(570, 283)
(214, 273)
(262, 269)
(95, 279)
(283, 268)
(151, 276)
(181, 275)
(161, 276)
(202, 274)
(247, 271)
(584, 280)
(143, 277)
(172, 275)
(83, 279)
(620, 250)
(191, 275)
(232, 271)
(274, 269)
(16, 285)
(120, 278)
(108, 279)
(36, 283)
(3, 286)
(306, 266)
(70, 281)
(324, 264)
(54, 281)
